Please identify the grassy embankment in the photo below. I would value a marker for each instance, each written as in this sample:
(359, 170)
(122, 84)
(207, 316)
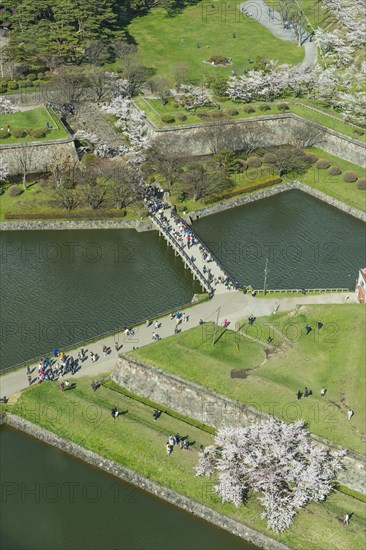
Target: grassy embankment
(332, 357)
(136, 441)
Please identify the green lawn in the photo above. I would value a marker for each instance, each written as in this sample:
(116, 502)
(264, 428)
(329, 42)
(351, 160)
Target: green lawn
(334, 185)
(165, 42)
(135, 440)
(35, 118)
(40, 201)
(334, 362)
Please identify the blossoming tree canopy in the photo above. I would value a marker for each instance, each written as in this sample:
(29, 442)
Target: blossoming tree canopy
(276, 460)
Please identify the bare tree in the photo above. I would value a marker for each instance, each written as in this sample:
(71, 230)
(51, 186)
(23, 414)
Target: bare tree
(201, 181)
(92, 183)
(68, 198)
(307, 136)
(158, 163)
(160, 87)
(290, 159)
(24, 159)
(68, 87)
(60, 166)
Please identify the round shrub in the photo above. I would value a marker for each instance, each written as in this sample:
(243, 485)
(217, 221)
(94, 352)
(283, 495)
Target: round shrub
(167, 119)
(203, 115)
(28, 84)
(334, 171)
(46, 75)
(242, 165)
(232, 112)
(4, 134)
(14, 191)
(249, 109)
(350, 176)
(175, 105)
(254, 162)
(181, 116)
(38, 83)
(322, 164)
(18, 132)
(264, 107)
(270, 158)
(12, 85)
(216, 114)
(358, 131)
(40, 75)
(361, 183)
(283, 107)
(3, 87)
(310, 158)
(31, 76)
(39, 132)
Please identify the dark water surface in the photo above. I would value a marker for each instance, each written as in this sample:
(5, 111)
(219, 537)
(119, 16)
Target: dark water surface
(307, 242)
(53, 501)
(63, 287)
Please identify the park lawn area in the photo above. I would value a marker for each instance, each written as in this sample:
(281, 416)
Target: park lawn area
(336, 361)
(136, 441)
(164, 42)
(333, 185)
(39, 201)
(35, 118)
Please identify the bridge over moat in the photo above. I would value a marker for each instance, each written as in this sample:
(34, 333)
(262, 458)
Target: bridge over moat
(195, 254)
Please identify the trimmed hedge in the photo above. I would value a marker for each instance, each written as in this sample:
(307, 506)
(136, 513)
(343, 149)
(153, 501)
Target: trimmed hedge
(61, 215)
(254, 162)
(270, 158)
(311, 158)
(167, 119)
(14, 191)
(264, 107)
(249, 109)
(322, 164)
(232, 112)
(361, 183)
(39, 132)
(283, 107)
(231, 194)
(18, 132)
(350, 176)
(4, 134)
(181, 116)
(12, 85)
(334, 171)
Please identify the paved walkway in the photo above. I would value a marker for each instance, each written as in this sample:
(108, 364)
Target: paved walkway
(267, 16)
(234, 306)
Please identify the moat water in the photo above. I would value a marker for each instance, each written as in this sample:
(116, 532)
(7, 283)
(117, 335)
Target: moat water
(52, 501)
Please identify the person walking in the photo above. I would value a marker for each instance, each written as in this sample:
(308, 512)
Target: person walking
(323, 391)
(350, 413)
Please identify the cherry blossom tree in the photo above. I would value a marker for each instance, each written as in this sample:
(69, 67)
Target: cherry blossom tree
(191, 97)
(276, 460)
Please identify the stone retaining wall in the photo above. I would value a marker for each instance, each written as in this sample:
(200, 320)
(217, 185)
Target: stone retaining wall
(35, 225)
(211, 408)
(192, 139)
(42, 153)
(143, 483)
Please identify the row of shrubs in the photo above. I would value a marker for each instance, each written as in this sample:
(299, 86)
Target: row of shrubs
(21, 133)
(12, 85)
(221, 113)
(85, 215)
(349, 176)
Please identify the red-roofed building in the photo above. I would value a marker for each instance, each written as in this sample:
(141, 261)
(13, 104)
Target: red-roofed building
(361, 285)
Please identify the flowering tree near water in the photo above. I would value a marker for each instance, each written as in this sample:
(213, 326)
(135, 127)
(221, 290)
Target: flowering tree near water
(274, 459)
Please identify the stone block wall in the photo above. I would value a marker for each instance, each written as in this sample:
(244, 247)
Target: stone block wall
(212, 409)
(42, 153)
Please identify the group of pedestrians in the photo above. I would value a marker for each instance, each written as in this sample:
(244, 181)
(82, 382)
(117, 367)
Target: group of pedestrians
(176, 440)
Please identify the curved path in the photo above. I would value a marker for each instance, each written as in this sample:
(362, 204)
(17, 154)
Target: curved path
(267, 16)
(234, 306)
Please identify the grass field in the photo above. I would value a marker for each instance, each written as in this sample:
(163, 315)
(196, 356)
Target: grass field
(332, 357)
(165, 42)
(334, 185)
(35, 118)
(135, 440)
(39, 200)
